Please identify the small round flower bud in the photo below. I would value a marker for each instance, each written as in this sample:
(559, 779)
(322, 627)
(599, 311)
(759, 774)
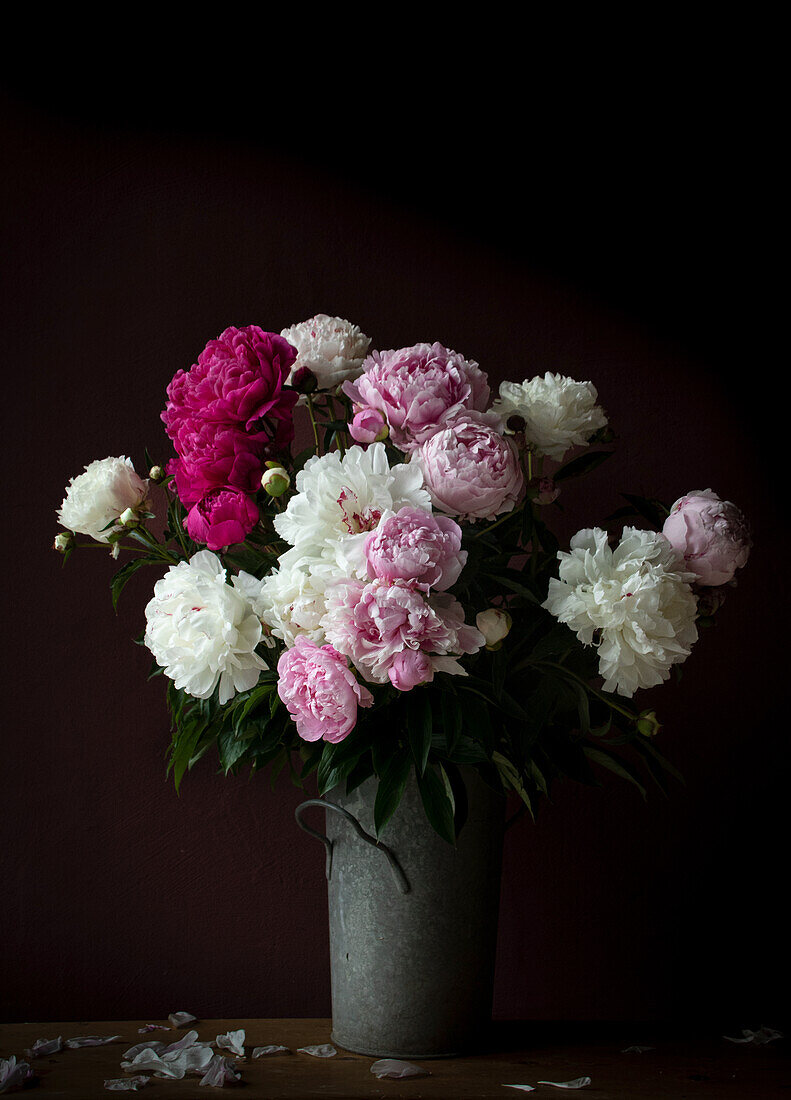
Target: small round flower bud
(548, 491)
(494, 624)
(62, 541)
(648, 724)
(304, 380)
(275, 480)
(156, 474)
(129, 518)
(515, 423)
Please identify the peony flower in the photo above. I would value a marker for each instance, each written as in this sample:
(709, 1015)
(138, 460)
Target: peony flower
(290, 599)
(222, 518)
(340, 498)
(372, 623)
(417, 548)
(633, 602)
(710, 534)
(216, 457)
(97, 497)
(410, 668)
(418, 390)
(471, 470)
(203, 631)
(329, 347)
(320, 691)
(558, 412)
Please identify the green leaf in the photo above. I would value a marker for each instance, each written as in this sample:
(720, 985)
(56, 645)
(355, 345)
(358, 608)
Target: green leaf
(123, 575)
(452, 720)
(511, 778)
(420, 725)
(437, 805)
(391, 788)
(609, 760)
(582, 465)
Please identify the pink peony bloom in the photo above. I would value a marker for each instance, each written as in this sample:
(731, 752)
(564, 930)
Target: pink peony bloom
(417, 548)
(224, 517)
(375, 622)
(410, 668)
(710, 534)
(470, 470)
(320, 691)
(239, 378)
(368, 426)
(418, 390)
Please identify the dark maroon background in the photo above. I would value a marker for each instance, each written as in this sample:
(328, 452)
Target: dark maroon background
(630, 249)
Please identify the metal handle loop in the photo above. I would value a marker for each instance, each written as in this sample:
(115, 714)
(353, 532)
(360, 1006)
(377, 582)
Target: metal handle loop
(398, 874)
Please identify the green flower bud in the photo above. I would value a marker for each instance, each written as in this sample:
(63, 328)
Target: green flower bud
(275, 480)
(648, 724)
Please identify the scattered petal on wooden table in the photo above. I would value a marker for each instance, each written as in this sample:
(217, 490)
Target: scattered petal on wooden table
(577, 1083)
(90, 1041)
(42, 1047)
(126, 1084)
(233, 1041)
(323, 1050)
(152, 1027)
(763, 1035)
(181, 1019)
(150, 1044)
(273, 1048)
(392, 1067)
(13, 1074)
(220, 1072)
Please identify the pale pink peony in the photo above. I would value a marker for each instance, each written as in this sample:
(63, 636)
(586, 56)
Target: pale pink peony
(224, 517)
(410, 668)
(710, 534)
(417, 548)
(320, 691)
(375, 622)
(418, 390)
(470, 469)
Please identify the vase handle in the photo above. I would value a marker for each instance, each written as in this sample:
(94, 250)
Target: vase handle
(395, 866)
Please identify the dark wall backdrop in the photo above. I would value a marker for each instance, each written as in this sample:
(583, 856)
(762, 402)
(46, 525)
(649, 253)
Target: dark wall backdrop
(623, 243)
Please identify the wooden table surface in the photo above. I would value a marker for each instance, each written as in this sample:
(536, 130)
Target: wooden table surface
(698, 1068)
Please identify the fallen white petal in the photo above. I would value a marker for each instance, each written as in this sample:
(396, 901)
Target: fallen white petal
(152, 1027)
(90, 1041)
(577, 1083)
(323, 1050)
(524, 1088)
(392, 1067)
(636, 1050)
(220, 1072)
(151, 1044)
(259, 1052)
(186, 1040)
(181, 1019)
(233, 1041)
(151, 1062)
(41, 1047)
(13, 1073)
(763, 1035)
(126, 1084)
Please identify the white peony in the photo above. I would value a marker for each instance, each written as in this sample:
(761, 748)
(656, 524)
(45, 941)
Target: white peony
(343, 498)
(331, 348)
(290, 599)
(95, 498)
(203, 631)
(635, 602)
(558, 412)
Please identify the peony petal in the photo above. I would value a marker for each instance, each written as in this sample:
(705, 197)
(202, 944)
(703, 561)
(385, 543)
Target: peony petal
(323, 1050)
(90, 1041)
(577, 1083)
(393, 1067)
(126, 1084)
(260, 1052)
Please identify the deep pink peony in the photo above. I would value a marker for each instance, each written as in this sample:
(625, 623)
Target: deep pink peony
(224, 517)
(320, 691)
(239, 378)
(710, 534)
(215, 457)
(417, 548)
(470, 470)
(373, 623)
(418, 390)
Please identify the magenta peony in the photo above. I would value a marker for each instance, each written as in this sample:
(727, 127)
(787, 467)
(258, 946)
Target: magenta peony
(320, 691)
(470, 470)
(418, 390)
(710, 534)
(215, 457)
(417, 548)
(224, 517)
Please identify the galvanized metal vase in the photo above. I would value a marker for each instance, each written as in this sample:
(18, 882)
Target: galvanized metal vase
(413, 922)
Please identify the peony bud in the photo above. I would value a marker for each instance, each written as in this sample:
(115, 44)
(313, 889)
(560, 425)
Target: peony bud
(369, 426)
(710, 534)
(156, 474)
(62, 541)
(304, 380)
(128, 518)
(494, 624)
(548, 491)
(648, 724)
(275, 480)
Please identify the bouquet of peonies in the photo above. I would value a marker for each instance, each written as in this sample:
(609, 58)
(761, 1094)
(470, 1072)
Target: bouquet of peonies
(392, 600)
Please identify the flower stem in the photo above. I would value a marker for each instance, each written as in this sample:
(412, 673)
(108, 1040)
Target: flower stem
(311, 413)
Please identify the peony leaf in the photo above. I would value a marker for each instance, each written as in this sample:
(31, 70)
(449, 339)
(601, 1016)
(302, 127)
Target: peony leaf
(582, 465)
(437, 805)
(123, 575)
(614, 764)
(420, 727)
(391, 788)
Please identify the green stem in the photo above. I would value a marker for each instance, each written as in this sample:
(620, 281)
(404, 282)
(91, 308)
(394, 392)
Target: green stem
(311, 413)
(497, 522)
